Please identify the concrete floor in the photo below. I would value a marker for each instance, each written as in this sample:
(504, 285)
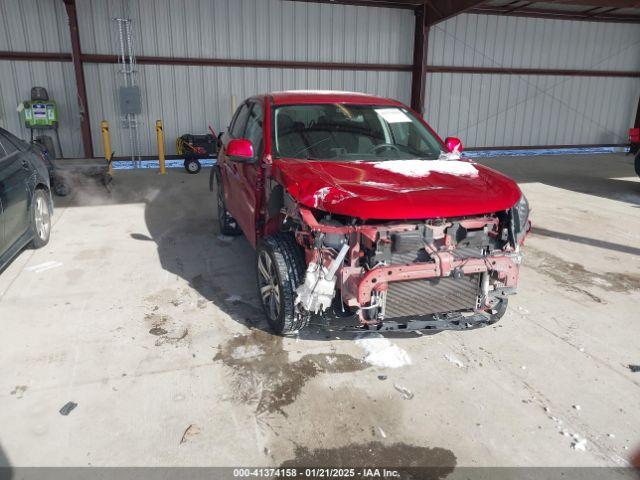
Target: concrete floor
(140, 314)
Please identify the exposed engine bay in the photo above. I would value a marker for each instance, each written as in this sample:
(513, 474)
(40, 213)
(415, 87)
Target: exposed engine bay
(453, 273)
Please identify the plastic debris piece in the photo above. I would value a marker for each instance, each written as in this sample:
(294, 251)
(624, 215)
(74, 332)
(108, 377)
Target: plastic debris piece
(405, 392)
(382, 433)
(451, 358)
(634, 368)
(580, 445)
(68, 408)
(576, 407)
(191, 431)
(382, 377)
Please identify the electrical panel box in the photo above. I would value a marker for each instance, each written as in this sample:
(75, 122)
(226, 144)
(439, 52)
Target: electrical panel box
(39, 114)
(130, 102)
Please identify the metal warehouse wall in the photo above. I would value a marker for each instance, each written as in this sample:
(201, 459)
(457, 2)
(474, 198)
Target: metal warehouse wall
(507, 110)
(38, 26)
(189, 98)
(482, 109)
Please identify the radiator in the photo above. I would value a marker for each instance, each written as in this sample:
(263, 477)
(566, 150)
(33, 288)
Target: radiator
(413, 298)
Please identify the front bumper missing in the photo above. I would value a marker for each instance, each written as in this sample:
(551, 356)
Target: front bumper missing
(430, 323)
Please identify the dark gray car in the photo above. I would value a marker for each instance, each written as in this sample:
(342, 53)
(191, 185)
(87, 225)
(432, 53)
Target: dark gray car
(25, 197)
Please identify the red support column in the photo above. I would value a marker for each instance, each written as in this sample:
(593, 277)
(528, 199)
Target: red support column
(418, 77)
(76, 57)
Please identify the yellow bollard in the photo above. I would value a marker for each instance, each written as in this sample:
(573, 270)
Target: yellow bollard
(160, 135)
(106, 138)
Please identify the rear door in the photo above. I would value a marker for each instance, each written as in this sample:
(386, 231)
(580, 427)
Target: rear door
(241, 177)
(14, 192)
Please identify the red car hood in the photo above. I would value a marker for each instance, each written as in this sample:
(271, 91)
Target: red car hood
(397, 189)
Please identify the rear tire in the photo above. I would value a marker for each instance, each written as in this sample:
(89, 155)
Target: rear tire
(226, 223)
(40, 218)
(280, 270)
(637, 164)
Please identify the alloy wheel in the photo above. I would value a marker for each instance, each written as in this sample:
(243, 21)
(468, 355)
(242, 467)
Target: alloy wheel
(42, 218)
(269, 287)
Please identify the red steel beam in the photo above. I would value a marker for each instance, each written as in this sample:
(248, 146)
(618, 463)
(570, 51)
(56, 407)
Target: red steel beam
(91, 58)
(554, 14)
(232, 62)
(534, 71)
(418, 74)
(76, 58)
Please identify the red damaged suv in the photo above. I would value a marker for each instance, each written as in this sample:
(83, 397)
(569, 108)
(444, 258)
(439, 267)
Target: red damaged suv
(363, 218)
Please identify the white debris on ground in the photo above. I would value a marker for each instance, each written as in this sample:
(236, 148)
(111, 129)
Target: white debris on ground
(43, 267)
(423, 168)
(523, 310)
(405, 392)
(382, 353)
(225, 238)
(451, 358)
(611, 435)
(576, 407)
(382, 432)
(579, 444)
(233, 299)
(244, 351)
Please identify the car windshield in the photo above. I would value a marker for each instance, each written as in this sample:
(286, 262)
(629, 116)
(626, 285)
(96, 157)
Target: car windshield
(351, 132)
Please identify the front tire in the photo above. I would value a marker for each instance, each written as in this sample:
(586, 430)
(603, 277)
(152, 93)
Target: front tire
(637, 164)
(280, 270)
(40, 218)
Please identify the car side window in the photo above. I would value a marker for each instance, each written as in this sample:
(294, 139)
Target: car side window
(237, 129)
(253, 131)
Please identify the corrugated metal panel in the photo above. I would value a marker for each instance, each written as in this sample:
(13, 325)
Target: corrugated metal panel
(494, 41)
(16, 80)
(252, 29)
(504, 110)
(190, 98)
(33, 26)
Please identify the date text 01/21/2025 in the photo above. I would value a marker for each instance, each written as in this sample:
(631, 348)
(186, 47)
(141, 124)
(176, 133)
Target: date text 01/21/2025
(313, 473)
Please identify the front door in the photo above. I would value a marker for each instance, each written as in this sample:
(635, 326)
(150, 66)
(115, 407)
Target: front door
(14, 192)
(242, 177)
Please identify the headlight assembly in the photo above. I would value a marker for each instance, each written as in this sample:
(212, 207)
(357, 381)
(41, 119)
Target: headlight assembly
(520, 212)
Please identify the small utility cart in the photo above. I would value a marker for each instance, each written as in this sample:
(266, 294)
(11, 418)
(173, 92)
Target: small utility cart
(195, 148)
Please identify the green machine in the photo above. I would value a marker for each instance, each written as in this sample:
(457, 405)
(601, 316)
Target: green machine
(40, 113)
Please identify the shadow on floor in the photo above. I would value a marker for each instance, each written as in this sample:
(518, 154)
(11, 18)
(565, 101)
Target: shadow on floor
(6, 471)
(598, 175)
(543, 232)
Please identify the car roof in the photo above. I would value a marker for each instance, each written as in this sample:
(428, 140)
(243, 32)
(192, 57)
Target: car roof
(296, 97)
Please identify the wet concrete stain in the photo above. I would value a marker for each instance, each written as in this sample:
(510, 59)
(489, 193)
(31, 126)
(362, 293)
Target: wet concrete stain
(411, 462)
(164, 327)
(574, 277)
(19, 390)
(93, 254)
(263, 375)
(158, 331)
